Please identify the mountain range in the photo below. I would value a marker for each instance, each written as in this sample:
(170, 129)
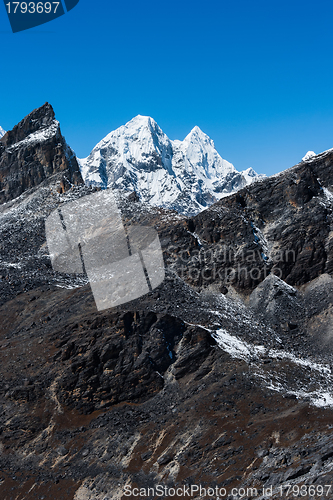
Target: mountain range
(187, 176)
(221, 376)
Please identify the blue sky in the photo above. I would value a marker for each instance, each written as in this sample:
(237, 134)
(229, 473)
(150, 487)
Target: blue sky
(256, 76)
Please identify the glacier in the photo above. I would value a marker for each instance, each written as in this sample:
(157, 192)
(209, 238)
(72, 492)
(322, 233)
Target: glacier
(187, 176)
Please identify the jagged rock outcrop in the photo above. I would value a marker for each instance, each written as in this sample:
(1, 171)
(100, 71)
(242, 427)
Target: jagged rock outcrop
(34, 151)
(186, 385)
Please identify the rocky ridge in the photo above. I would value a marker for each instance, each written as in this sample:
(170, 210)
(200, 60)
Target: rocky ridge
(34, 151)
(281, 225)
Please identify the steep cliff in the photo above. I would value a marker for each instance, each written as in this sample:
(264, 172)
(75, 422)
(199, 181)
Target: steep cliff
(34, 151)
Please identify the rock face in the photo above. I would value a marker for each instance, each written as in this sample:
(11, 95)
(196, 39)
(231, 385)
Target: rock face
(187, 175)
(212, 379)
(280, 225)
(34, 151)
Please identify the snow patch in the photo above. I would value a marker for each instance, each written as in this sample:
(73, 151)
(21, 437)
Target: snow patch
(328, 194)
(235, 347)
(37, 137)
(301, 387)
(308, 155)
(196, 237)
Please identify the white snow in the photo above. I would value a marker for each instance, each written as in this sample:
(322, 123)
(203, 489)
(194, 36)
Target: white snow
(36, 137)
(321, 374)
(198, 152)
(308, 155)
(328, 195)
(10, 264)
(2, 132)
(235, 347)
(288, 374)
(196, 237)
(240, 349)
(187, 175)
(250, 175)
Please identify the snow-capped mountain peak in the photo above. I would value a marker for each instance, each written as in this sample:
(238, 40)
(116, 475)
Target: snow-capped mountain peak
(130, 148)
(197, 139)
(142, 128)
(200, 153)
(2, 132)
(197, 134)
(186, 175)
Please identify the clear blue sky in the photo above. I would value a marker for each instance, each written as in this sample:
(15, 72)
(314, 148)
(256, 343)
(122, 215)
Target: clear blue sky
(256, 76)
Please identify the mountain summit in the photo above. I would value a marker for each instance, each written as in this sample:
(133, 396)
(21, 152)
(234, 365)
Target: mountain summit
(2, 132)
(186, 175)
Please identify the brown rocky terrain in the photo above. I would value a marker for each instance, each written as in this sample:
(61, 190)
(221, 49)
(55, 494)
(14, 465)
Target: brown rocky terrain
(220, 377)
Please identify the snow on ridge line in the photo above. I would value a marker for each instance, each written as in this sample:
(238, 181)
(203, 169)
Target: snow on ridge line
(312, 158)
(241, 349)
(38, 136)
(2, 132)
(308, 155)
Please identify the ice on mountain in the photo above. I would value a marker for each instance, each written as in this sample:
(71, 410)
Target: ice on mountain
(186, 175)
(250, 175)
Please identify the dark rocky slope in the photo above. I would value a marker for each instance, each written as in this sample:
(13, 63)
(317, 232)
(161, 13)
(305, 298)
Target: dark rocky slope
(188, 384)
(280, 224)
